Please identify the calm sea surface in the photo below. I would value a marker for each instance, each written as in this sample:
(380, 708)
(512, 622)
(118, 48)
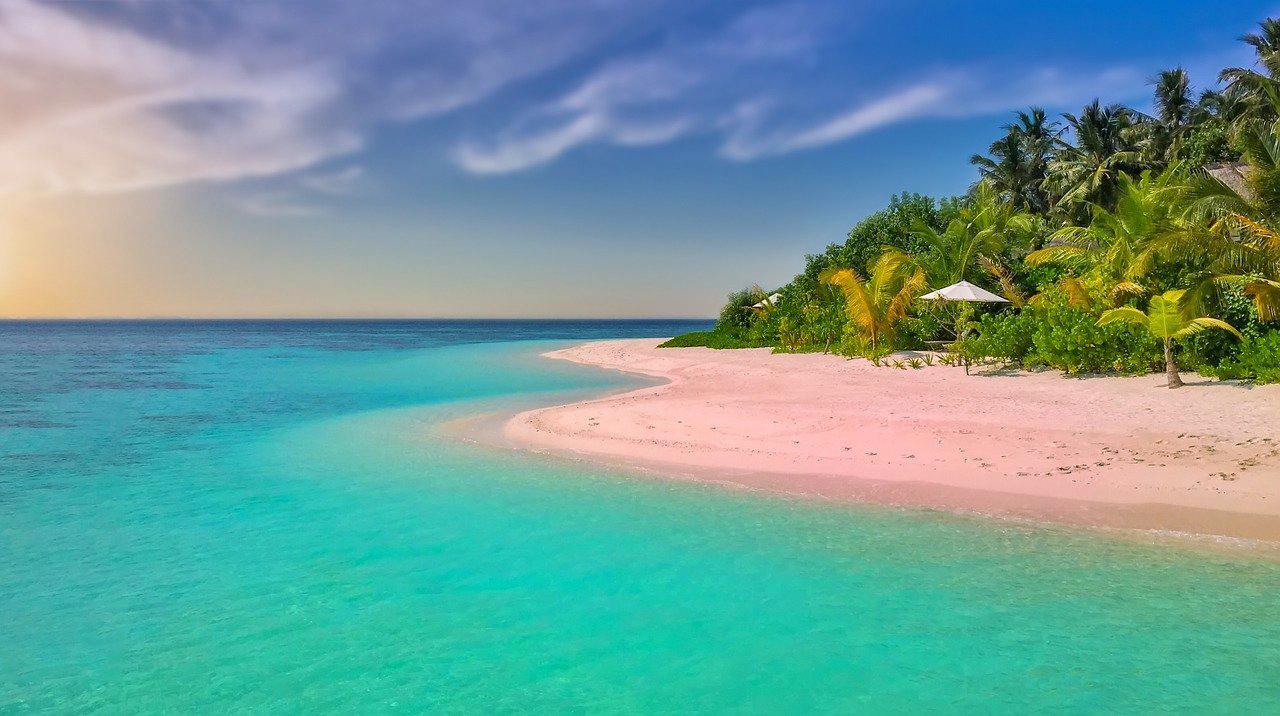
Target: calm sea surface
(261, 516)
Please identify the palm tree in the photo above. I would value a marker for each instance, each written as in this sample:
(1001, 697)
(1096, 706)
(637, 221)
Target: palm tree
(983, 229)
(1161, 140)
(1018, 162)
(875, 306)
(1121, 245)
(1007, 167)
(1166, 319)
(1241, 221)
(1259, 89)
(1173, 98)
(1105, 146)
(1266, 43)
(1227, 105)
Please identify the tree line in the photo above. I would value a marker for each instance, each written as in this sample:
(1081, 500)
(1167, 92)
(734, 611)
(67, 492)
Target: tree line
(1084, 223)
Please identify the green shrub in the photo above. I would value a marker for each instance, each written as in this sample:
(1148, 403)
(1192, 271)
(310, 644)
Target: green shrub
(1209, 143)
(915, 330)
(707, 339)
(1258, 359)
(1204, 351)
(735, 317)
(889, 227)
(764, 329)
(1004, 336)
(1062, 337)
(1070, 339)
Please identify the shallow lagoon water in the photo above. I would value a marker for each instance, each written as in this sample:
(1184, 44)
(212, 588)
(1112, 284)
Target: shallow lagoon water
(264, 516)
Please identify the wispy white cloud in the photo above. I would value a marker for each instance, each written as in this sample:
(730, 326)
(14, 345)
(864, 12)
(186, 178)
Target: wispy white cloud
(303, 196)
(758, 129)
(746, 142)
(531, 149)
(98, 108)
(118, 96)
(653, 96)
(741, 83)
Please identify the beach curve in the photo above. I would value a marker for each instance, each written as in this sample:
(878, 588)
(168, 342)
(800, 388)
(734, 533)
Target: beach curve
(1100, 451)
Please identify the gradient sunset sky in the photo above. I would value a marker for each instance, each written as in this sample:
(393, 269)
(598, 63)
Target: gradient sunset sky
(524, 158)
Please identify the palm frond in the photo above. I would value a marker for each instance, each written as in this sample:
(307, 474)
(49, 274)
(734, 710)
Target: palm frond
(1008, 286)
(1266, 298)
(1056, 254)
(1198, 325)
(1127, 289)
(1077, 292)
(1124, 314)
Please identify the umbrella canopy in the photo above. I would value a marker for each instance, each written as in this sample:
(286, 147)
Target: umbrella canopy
(964, 291)
(768, 301)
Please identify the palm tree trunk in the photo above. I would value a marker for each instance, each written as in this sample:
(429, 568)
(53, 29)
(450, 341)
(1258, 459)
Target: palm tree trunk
(1170, 367)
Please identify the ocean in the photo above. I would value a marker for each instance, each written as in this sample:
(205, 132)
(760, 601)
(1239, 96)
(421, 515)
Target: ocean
(267, 516)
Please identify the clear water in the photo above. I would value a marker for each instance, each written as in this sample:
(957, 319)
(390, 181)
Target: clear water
(262, 517)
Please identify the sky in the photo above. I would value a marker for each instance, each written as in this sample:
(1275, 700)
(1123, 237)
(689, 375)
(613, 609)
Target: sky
(507, 158)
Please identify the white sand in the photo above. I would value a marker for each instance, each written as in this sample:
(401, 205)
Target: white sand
(1099, 450)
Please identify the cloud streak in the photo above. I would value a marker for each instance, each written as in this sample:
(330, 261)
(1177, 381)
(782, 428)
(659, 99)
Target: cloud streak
(657, 95)
(113, 97)
(746, 143)
(125, 96)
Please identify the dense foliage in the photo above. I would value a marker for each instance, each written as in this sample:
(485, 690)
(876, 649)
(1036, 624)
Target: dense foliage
(706, 339)
(1124, 242)
(1258, 358)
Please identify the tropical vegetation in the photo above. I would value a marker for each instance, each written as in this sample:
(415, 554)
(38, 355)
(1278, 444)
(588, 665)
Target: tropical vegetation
(1117, 235)
(1166, 319)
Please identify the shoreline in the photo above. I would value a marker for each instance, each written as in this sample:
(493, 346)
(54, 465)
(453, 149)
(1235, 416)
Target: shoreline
(804, 425)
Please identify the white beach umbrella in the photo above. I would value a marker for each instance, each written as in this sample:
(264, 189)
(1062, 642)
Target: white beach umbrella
(768, 301)
(964, 291)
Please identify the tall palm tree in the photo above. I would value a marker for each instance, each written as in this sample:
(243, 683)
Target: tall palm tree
(1017, 163)
(1266, 42)
(1006, 165)
(1173, 101)
(1161, 140)
(1105, 146)
(875, 305)
(1259, 89)
(1167, 320)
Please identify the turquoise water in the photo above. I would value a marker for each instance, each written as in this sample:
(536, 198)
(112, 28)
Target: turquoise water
(262, 517)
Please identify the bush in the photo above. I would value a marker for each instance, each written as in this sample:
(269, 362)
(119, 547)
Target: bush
(1258, 359)
(1204, 351)
(1062, 337)
(735, 317)
(915, 330)
(1004, 336)
(764, 328)
(1209, 143)
(891, 226)
(1070, 339)
(707, 339)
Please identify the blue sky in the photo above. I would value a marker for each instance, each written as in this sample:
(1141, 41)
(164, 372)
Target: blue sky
(512, 158)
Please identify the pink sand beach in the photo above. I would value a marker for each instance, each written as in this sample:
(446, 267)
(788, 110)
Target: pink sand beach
(1104, 451)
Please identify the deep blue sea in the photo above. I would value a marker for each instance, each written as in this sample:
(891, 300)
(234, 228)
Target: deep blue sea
(212, 517)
